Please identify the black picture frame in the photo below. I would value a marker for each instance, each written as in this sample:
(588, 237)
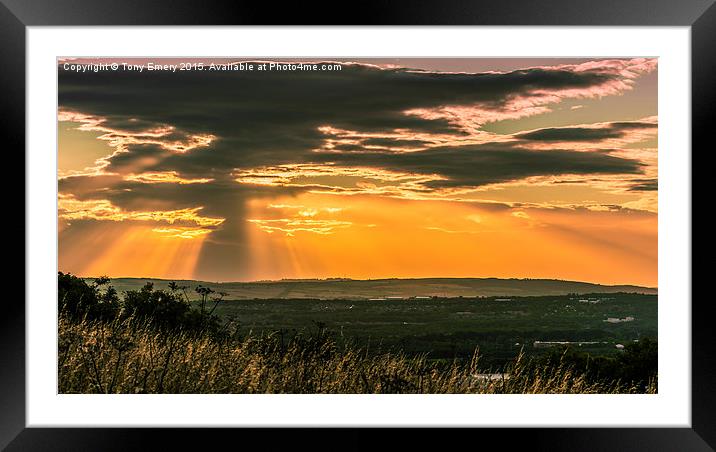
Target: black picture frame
(16, 15)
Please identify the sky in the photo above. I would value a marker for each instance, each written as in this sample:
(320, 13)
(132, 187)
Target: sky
(377, 168)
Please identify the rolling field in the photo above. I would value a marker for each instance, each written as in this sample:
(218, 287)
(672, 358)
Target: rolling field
(445, 328)
(444, 318)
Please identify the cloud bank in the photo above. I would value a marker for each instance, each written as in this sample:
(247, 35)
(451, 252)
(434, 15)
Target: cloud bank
(190, 149)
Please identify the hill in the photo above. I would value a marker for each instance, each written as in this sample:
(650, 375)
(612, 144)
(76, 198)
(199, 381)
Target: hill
(350, 289)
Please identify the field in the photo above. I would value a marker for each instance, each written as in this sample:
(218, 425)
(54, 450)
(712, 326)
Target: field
(130, 357)
(156, 340)
(444, 318)
(454, 327)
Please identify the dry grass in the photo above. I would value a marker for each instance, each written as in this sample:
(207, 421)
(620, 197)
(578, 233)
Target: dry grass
(129, 357)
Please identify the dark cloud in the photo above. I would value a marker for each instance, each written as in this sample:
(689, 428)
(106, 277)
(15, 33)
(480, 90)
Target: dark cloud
(570, 134)
(632, 125)
(646, 185)
(563, 134)
(270, 117)
(477, 165)
(395, 142)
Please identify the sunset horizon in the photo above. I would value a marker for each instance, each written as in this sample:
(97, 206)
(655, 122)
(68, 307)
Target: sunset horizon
(358, 225)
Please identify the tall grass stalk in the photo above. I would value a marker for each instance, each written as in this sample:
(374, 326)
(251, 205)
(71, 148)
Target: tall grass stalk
(129, 356)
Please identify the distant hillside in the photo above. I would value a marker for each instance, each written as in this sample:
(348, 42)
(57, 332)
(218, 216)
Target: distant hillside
(378, 288)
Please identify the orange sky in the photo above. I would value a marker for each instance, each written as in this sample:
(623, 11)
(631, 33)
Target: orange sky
(518, 188)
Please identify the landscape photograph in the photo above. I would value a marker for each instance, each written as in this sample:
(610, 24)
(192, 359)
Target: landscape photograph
(344, 225)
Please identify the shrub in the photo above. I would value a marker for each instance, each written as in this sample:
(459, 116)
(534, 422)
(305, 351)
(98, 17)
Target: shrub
(162, 309)
(169, 309)
(76, 298)
(636, 365)
(639, 362)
